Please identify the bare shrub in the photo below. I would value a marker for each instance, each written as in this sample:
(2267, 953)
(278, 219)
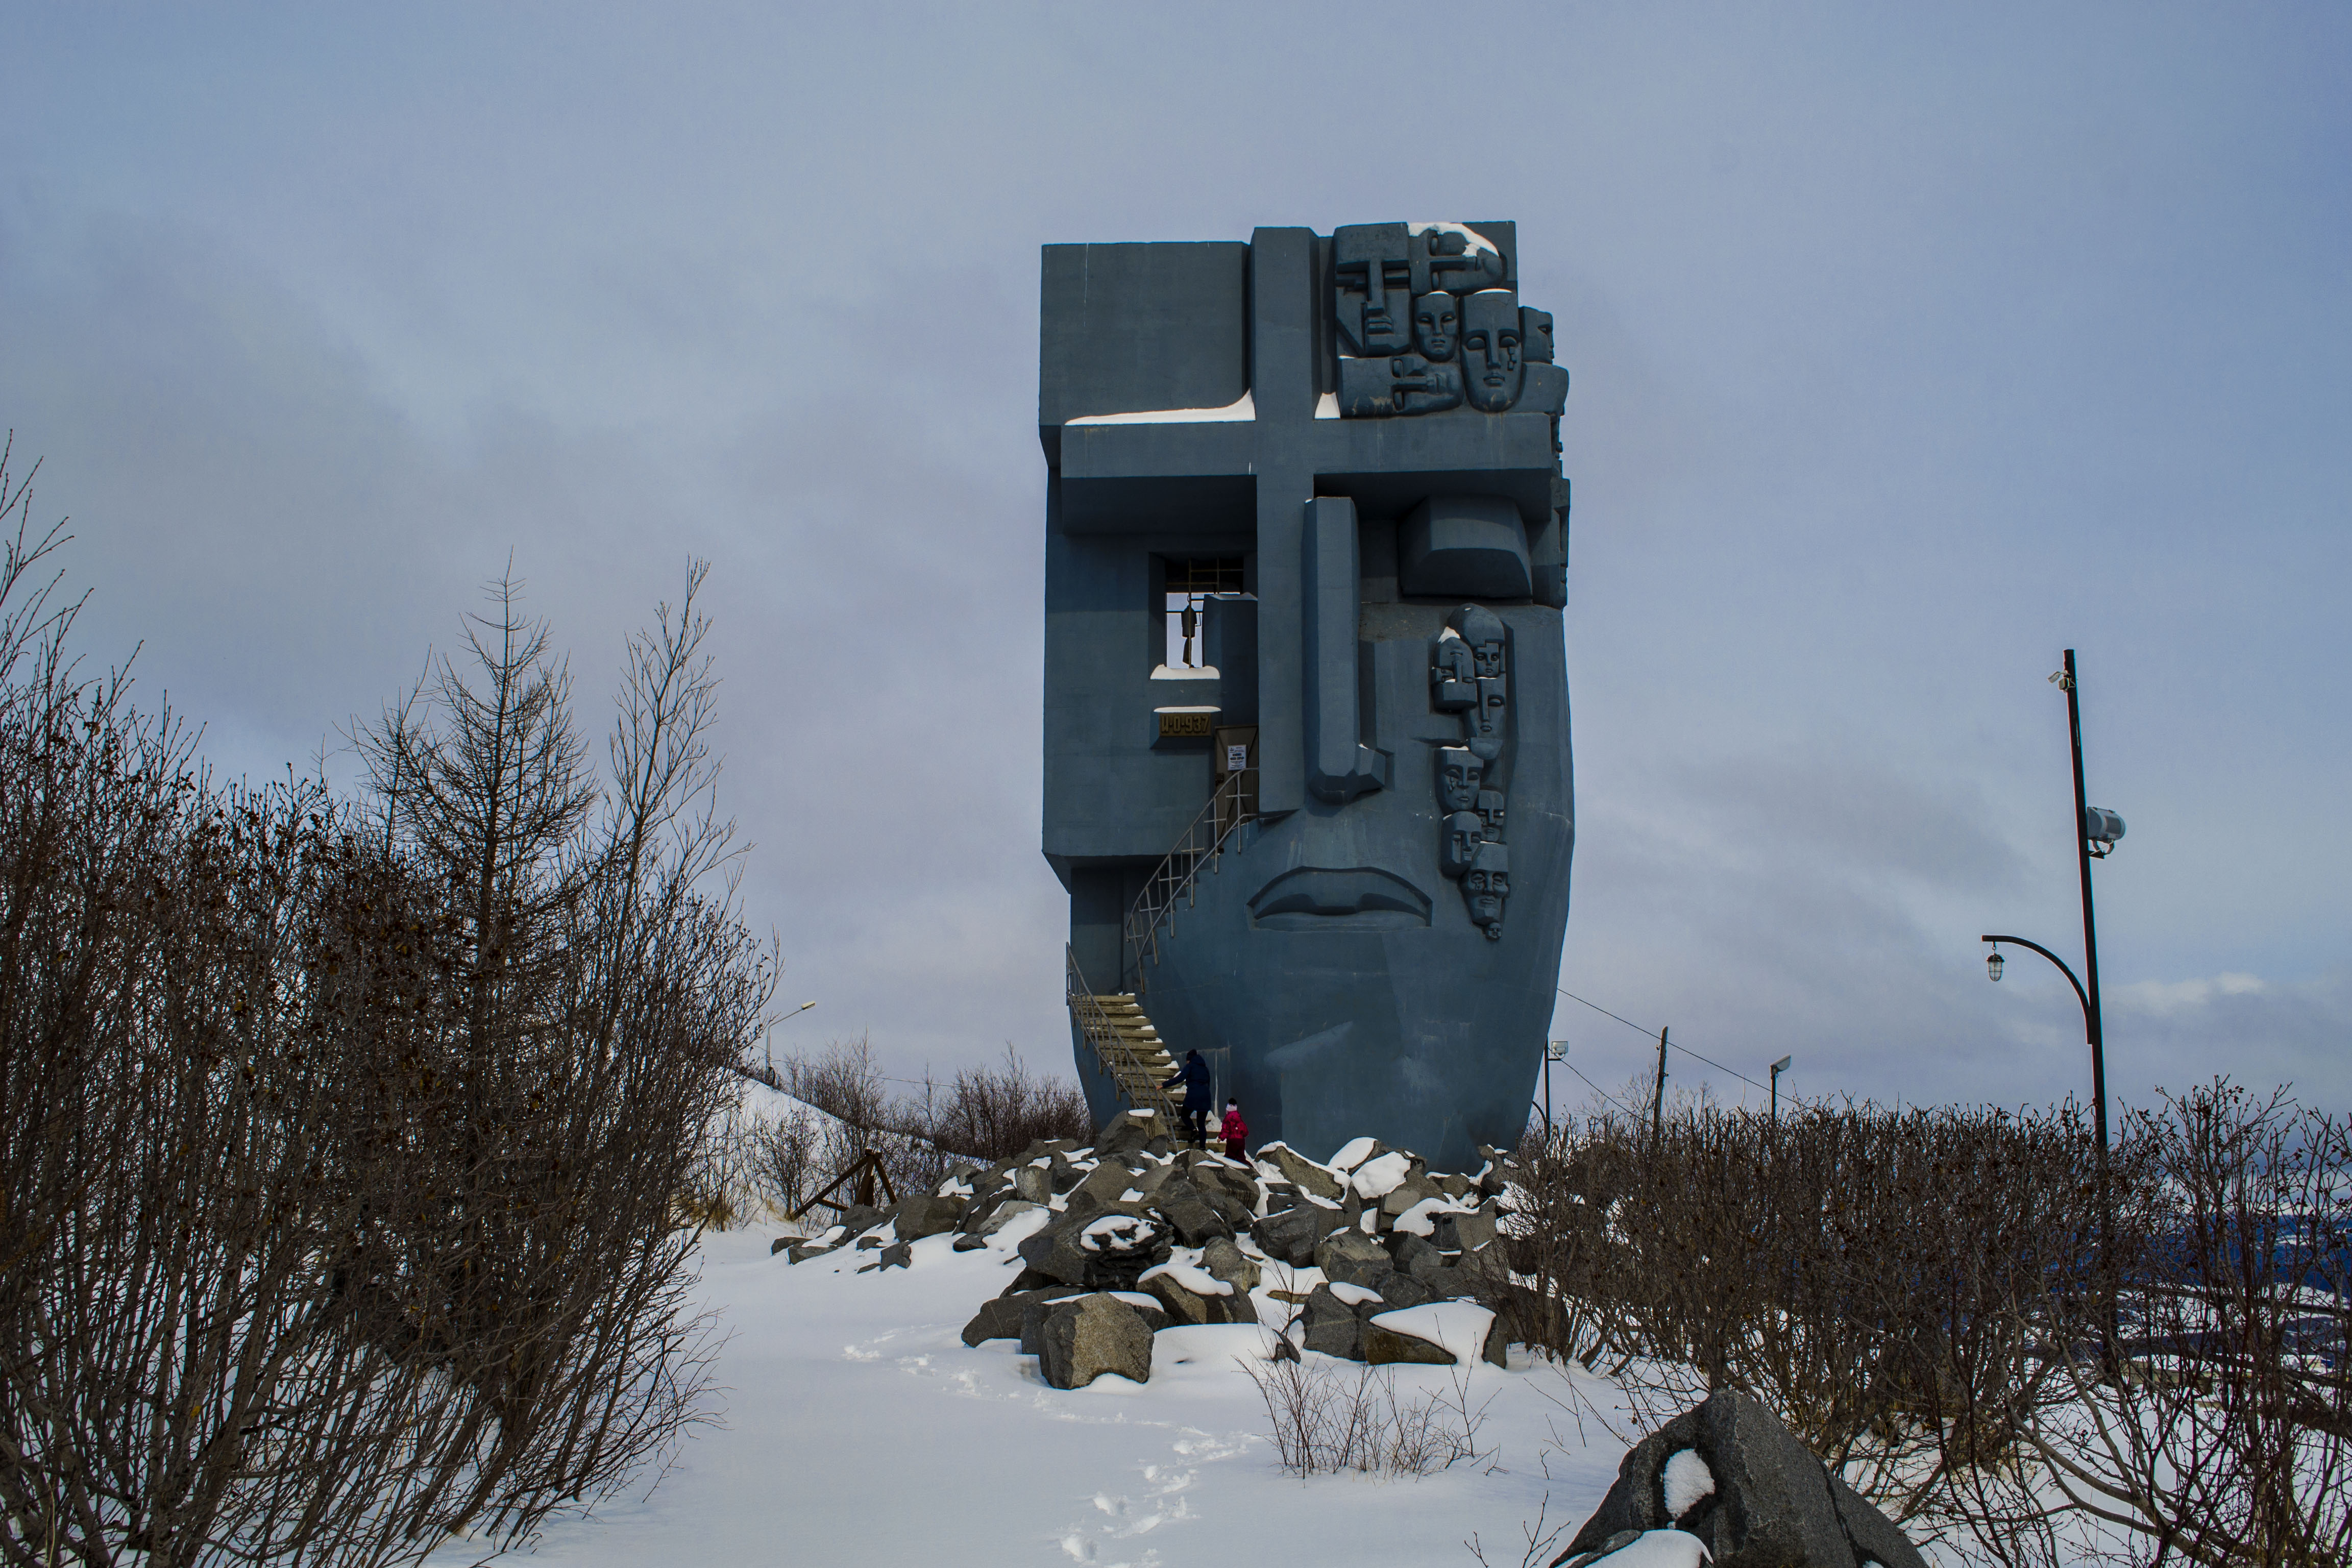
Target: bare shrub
(563, 1008)
(984, 1114)
(785, 1162)
(1326, 1419)
(341, 1155)
(1856, 1270)
(1948, 1307)
(1541, 1543)
(844, 1082)
(994, 1113)
(2220, 1428)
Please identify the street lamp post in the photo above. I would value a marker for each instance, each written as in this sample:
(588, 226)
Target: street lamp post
(768, 1043)
(2098, 1115)
(1778, 1069)
(2096, 831)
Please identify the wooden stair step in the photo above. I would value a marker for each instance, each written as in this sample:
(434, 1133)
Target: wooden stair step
(1124, 1041)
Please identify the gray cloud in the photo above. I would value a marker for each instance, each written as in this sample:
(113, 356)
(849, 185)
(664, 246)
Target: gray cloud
(1908, 350)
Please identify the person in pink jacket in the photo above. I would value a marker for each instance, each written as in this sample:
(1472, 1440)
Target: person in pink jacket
(1234, 1129)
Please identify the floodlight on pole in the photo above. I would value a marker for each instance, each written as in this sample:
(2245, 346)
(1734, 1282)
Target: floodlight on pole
(1778, 1069)
(1554, 1051)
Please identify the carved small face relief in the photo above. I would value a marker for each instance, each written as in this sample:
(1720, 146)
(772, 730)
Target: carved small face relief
(1458, 772)
(1464, 834)
(1486, 658)
(1486, 890)
(1372, 260)
(1490, 809)
(1535, 335)
(1492, 366)
(1436, 324)
(1483, 630)
(1494, 704)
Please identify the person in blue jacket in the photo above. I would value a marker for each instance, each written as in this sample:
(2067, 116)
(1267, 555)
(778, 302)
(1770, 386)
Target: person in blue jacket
(1193, 1077)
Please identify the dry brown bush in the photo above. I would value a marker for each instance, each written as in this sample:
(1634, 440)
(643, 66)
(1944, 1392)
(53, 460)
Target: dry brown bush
(2219, 1428)
(1855, 1268)
(994, 1113)
(845, 1083)
(984, 1114)
(338, 1156)
(1931, 1300)
(1326, 1420)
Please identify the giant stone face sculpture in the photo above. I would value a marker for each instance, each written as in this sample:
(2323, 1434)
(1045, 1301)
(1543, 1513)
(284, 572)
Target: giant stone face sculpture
(1365, 784)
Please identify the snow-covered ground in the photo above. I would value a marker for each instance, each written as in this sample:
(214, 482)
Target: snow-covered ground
(857, 1428)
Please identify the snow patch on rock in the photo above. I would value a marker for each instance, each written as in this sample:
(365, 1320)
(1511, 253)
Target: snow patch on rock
(1687, 1482)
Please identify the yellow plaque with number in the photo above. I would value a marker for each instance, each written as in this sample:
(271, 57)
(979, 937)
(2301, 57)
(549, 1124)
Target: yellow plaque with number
(1185, 726)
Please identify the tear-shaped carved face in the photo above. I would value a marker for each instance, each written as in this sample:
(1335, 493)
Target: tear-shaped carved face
(1436, 324)
(1492, 366)
(1458, 773)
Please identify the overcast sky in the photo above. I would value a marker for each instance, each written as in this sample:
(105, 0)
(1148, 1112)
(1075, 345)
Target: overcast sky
(1910, 346)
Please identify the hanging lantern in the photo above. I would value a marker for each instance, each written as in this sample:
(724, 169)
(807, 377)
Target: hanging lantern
(1992, 965)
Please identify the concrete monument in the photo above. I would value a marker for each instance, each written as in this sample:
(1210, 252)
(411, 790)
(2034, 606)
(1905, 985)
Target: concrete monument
(1306, 559)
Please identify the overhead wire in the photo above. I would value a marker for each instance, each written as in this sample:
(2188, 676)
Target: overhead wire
(1598, 1089)
(1671, 1044)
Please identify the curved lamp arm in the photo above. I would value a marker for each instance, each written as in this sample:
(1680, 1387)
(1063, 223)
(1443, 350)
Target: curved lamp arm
(2080, 995)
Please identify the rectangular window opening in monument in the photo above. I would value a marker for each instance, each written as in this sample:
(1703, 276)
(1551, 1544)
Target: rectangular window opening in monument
(1191, 584)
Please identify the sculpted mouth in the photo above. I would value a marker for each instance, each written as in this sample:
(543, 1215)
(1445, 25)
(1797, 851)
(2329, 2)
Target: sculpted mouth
(1314, 898)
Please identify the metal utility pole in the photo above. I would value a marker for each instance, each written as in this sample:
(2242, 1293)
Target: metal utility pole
(1778, 1069)
(1554, 1051)
(1658, 1100)
(2090, 930)
(2096, 831)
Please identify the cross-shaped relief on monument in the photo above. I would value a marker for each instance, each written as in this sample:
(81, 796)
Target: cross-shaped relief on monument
(1251, 464)
(1370, 422)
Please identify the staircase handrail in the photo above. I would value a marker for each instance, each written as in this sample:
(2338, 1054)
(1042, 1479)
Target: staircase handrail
(1102, 1037)
(1202, 842)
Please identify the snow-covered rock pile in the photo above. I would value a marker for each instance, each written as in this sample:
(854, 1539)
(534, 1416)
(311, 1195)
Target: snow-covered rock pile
(1726, 1483)
(1370, 1257)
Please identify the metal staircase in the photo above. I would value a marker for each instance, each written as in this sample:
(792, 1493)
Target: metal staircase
(1204, 844)
(1111, 1022)
(1125, 1043)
